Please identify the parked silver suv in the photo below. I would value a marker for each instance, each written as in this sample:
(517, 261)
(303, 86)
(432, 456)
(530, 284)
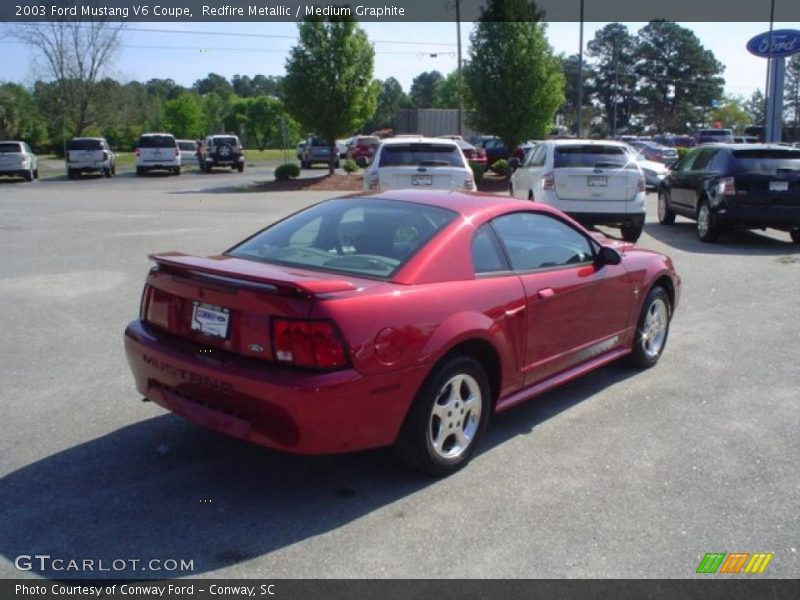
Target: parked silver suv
(90, 155)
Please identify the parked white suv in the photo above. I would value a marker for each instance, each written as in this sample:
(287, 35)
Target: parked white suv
(418, 163)
(157, 151)
(595, 182)
(90, 155)
(18, 160)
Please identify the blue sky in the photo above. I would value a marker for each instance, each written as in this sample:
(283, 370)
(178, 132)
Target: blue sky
(189, 51)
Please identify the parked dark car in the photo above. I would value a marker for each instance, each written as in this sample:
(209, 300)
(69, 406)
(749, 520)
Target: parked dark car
(753, 186)
(317, 150)
(713, 136)
(656, 152)
(495, 149)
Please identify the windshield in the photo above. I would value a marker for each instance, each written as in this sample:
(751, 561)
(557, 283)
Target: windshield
(156, 141)
(421, 154)
(85, 145)
(187, 145)
(363, 236)
(591, 156)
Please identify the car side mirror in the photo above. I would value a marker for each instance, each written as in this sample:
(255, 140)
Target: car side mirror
(513, 163)
(608, 256)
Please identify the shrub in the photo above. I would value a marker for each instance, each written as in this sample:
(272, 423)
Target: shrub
(682, 151)
(287, 171)
(477, 172)
(500, 166)
(350, 166)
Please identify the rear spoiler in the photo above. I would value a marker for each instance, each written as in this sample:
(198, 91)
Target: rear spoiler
(238, 272)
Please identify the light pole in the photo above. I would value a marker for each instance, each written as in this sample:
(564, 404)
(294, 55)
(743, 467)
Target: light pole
(460, 84)
(580, 78)
(616, 87)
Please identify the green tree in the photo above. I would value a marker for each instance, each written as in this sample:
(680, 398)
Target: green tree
(513, 78)
(613, 50)
(447, 93)
(391, 98)
(213, 84)
(569, 108)
(184, 117)
(731, 113)
(424, 87)
(328, 86)
(792, 90)
(19, 118)
(755, 107)
(215, 107)
(678, 77)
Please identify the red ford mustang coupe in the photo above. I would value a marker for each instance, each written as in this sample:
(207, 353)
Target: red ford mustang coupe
(402, 318)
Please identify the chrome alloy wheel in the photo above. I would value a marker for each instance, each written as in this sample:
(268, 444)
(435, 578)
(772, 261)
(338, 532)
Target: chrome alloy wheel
(703, 220)
(654, 328)
(455, 417)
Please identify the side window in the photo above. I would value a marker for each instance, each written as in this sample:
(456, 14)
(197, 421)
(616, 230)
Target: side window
(702, 160)
(487, 256)
(687, 161)
(539, 241)
(537, 157)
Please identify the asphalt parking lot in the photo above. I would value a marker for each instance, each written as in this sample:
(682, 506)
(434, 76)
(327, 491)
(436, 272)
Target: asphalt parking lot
(620, 474)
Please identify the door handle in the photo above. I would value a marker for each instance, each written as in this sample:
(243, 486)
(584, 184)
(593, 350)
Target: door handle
(545, 293)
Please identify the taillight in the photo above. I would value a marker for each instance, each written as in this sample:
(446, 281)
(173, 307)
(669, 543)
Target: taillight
(136, 152)
(177, 151)
(373, 181)
(469, 181)
(145, 301)
(727, 186)
(548, 182)
(309, 344)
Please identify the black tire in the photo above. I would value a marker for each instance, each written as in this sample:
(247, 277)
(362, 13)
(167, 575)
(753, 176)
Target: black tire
(510, 189)
(36, 173)
(530, 196)
(114, 169)
(240, 167)
(652, 330)
(362, 162)
(631, 233)
(416, 445)
(139, 171)
(795, 235)
(666, 216)
(70, 174)
(107, 172)
(707, 227)
(28, 175)
(177, 170)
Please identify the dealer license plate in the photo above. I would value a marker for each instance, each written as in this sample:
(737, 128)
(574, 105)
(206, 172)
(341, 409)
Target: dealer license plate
(778, 186)
(421, 180)
(210, 320)
(597, 181)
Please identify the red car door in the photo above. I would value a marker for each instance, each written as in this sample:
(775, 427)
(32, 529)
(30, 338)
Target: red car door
(575, 310)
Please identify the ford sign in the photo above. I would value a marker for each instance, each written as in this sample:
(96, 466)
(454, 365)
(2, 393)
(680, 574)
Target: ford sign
(781, 42)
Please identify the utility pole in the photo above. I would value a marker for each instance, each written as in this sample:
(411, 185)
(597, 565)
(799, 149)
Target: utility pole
(580, 78)
(460, 82)
(616, 87)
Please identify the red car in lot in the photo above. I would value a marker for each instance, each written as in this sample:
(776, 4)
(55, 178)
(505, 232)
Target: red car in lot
(403, 318)
(363, 149)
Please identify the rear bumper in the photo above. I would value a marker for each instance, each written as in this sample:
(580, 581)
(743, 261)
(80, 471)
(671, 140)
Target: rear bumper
(759, 215)
(295, 411)
(87, 166)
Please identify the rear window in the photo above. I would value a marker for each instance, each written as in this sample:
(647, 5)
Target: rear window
(715, 133)
(367, 237)
(421, 155)
(766, 160)
(10, 147)
(85, 145)
(187, 145)
(223, 140)
(591, 156)
(368, 141)
(156, 141)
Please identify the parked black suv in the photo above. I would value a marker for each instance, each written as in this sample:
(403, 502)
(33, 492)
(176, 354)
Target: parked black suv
(222, 150)
(753, 186)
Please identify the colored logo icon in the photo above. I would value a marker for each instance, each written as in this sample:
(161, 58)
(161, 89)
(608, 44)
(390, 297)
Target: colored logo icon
(734, 562)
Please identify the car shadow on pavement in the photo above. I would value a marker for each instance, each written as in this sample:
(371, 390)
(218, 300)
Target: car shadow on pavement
(682, 236)
(164, 489)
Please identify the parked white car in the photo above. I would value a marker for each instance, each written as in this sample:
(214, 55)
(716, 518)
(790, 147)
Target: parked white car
(418, 163)
(90, 155)
(18, 160)
(188, 149)
(157, 151)
(594, 182)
